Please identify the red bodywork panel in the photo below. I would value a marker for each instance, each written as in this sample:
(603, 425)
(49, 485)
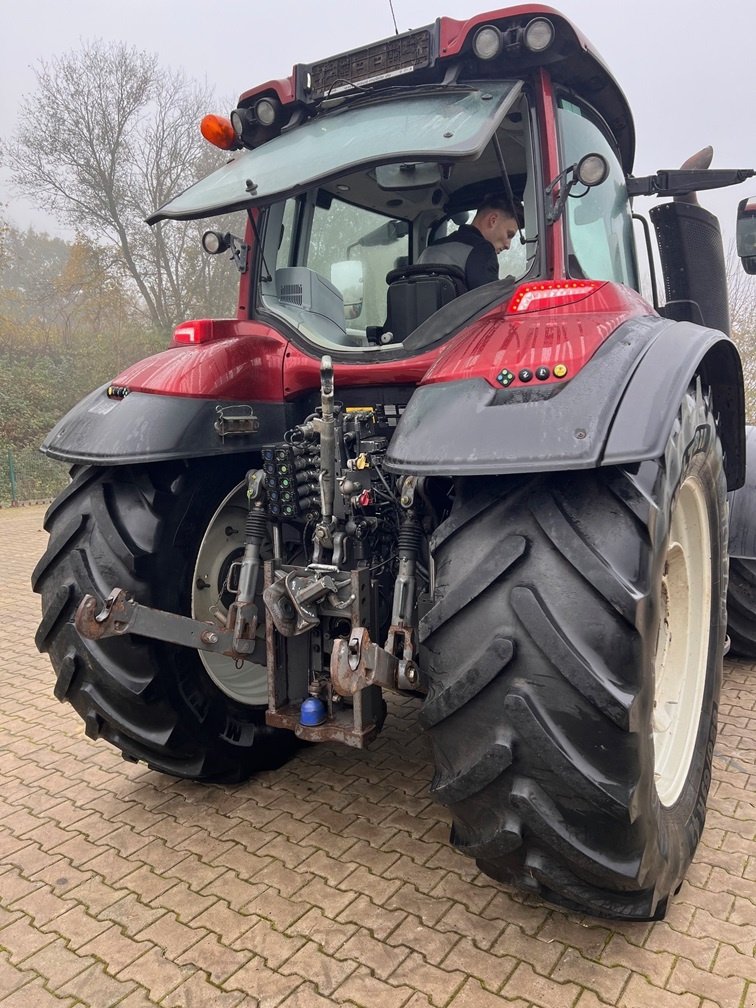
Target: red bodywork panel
(302, 372)
(283, 89)
(505, 343)
(245, 363)
(249, 361)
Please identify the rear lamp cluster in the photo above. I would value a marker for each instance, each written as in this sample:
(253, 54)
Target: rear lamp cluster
(543, 294)
(536, 37)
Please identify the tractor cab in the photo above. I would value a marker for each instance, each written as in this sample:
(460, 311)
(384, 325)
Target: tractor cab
(351, 168)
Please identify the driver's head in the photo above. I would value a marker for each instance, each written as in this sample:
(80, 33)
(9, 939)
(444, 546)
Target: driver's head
(498, 221)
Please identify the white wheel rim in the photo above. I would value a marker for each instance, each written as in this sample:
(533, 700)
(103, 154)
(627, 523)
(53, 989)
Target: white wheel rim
(224, 536)
(683, 642)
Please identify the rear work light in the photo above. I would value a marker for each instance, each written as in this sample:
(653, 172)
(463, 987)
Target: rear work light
(538, 35)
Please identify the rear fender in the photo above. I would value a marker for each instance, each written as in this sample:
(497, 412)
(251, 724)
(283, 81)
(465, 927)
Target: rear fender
(149, 427)
(618, 409)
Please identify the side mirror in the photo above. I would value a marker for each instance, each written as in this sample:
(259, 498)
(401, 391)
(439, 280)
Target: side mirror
(349, 280)
(745, 234)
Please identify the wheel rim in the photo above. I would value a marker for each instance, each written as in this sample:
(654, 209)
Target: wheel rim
(223, 538)
(683, 642)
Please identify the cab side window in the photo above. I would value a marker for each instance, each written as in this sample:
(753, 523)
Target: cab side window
(342, 233)
(598, 222)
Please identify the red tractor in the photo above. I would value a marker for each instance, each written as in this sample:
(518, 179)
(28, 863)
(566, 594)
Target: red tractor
(508, 499)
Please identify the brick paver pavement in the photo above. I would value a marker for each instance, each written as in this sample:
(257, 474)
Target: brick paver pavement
(329, 882)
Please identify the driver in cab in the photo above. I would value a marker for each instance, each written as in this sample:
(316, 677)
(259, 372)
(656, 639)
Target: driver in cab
(474, 247)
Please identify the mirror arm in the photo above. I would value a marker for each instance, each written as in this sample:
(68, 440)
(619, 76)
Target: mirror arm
(680, 181)
(560, 186)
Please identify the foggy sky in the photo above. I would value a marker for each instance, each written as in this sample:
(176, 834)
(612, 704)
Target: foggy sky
(686, 66)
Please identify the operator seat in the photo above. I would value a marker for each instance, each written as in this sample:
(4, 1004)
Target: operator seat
(448, 253)
(416, 292)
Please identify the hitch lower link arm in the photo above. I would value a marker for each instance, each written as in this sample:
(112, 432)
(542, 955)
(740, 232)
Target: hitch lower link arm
(122, 614)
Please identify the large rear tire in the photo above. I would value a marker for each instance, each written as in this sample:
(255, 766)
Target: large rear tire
(741, 607)
(574, 653)
(167, 533)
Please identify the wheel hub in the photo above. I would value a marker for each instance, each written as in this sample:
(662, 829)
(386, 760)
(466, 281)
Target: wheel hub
(222, 543)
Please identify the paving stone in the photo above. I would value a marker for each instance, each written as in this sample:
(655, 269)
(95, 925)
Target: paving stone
(700, 950)
(325, 971)
(606, 981)
(330, 935)
(490, 970)
(225, 923)
(655, 966)
(131, 915)
(380, 958)
(379, 920)
(34, 995)
(96, 988)
(472, 995)
(216, 959)
(57, 963)
(183, 901)
(20, 939)
(639, 993)
(269, 943)
(76, 926)
(414, 934)
(171, 936)
(14, 886)
(266, 985)
(483, 931)
(158, 974)
(116, 949)
(687, 978)
(439, 985)
(198, 992)
(430, 909)
(364, 989)
(306, 996)
(12, 977)
(545, 992)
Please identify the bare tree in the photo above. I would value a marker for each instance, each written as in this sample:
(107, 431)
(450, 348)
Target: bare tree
(107, 137)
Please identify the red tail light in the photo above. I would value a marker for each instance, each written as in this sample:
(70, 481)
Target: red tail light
(199, 331)
(550, 294)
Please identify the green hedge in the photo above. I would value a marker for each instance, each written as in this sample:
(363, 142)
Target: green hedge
(36, 476)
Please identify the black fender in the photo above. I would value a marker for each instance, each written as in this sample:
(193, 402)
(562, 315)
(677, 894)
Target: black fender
(138, 427)
(618, 409)
(743, 507)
